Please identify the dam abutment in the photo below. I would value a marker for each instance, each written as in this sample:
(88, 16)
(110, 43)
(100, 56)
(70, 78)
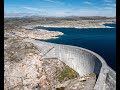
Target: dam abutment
(81, 60)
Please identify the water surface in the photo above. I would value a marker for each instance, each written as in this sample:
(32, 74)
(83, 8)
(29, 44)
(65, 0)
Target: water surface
(99, 40)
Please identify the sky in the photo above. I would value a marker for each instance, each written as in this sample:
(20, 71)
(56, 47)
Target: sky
(59, 8)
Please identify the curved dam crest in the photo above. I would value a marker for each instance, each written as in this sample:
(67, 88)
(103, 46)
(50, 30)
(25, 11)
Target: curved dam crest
(81, 60)
(99, 40)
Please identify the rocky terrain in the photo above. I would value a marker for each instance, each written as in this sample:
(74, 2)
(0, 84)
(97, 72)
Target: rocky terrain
(37, 34)
(79, 24)
(24, 67)
(76, 22)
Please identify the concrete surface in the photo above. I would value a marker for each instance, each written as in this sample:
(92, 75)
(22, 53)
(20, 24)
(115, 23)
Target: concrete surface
(81, 60)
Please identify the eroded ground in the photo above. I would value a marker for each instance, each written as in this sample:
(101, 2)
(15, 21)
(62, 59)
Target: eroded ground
(24, 67)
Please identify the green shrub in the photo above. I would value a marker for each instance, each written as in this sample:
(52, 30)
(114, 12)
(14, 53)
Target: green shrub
(66, 74)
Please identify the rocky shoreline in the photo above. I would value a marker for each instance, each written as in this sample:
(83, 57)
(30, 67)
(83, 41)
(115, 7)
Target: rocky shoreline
(42, 34)
(24, 67)
(37, 34)
(72, 25)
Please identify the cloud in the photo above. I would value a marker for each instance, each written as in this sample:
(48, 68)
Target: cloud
(33, 9)
(111, 5)
(108, 7)
(54, 1)
(88, 3)
(17, 14)
(107, 10)
(109, 1)
(94, 12)
(84, 12)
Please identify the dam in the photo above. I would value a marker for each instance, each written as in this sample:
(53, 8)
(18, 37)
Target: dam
(99, 40)
(81, 60)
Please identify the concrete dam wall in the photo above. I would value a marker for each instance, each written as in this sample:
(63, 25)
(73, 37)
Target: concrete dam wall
(81, 60)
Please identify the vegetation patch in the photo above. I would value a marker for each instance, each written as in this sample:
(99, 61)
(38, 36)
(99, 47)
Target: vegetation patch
(92, 75)
(66, 74)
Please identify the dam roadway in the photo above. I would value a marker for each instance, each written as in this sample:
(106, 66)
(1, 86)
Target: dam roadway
(81, 60)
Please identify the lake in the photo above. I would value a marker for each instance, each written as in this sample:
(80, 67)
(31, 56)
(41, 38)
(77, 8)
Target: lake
(99, 40)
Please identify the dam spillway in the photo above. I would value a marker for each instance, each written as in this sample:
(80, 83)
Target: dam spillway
(81, 60)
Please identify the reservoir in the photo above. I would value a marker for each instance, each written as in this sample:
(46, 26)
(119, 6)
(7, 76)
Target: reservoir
(99, 40)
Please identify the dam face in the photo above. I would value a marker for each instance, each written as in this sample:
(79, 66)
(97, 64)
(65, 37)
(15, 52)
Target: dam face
(81, 60)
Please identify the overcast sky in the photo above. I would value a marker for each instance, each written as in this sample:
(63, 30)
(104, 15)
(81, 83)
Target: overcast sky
(59, 8)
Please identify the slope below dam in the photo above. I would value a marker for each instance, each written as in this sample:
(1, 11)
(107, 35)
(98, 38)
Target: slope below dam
(81, 60)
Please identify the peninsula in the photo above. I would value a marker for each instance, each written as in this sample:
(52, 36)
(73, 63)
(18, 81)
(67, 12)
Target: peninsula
(32, 65)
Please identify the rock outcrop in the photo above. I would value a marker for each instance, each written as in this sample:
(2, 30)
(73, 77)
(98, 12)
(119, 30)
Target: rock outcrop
(25, 69)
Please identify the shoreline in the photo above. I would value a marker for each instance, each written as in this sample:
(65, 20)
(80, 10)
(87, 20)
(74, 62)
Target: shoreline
(40, 34)
(22, 55)
(31, 28)
(99, 25)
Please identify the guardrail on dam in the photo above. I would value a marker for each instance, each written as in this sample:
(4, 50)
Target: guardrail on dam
(81, 60)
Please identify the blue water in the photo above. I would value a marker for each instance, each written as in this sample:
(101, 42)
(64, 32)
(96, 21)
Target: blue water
(111, 25)
(99, 40)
